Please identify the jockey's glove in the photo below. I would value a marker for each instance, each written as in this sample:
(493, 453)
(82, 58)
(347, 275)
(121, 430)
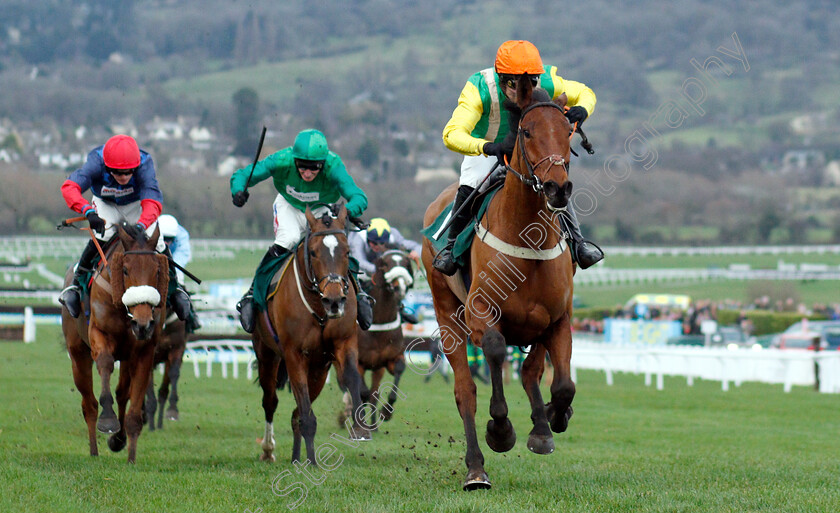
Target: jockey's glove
(492, 149)
(240, 198)
(97, 224)
(577, 114)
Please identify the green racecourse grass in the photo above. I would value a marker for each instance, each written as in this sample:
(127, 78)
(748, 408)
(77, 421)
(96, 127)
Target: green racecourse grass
(628, 448)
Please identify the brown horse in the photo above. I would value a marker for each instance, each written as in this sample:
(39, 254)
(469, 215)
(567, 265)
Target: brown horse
(382, 346)
(169, 352)
(127, 305)
(521, 285)
(310, 323)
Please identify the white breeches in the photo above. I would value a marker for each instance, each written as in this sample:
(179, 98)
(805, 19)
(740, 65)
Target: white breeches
(114, 214)
(290, 223)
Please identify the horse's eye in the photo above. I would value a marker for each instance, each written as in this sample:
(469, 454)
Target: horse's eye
(526, 133)
(125, 271)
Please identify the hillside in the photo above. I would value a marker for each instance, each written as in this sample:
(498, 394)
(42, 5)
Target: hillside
(381, 77)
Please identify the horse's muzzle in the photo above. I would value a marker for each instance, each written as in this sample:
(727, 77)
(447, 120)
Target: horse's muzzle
(557, 195)
(334, 306)
(142, 331)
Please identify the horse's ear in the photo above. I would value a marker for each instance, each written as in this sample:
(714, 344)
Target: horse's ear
(561, 100)
(342, 213)
(151, 243)
(310, 218)
(117, 283)
(163, 276)
(524, 90)
(124, 236)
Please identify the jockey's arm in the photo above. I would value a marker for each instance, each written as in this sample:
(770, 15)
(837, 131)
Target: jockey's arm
(578, 93)
(357, 248)
(457, 132)
(239, 179)
(357, 201)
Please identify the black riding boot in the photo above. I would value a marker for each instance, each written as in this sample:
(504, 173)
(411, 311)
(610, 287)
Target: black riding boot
(364, 305)
(444, 261)
(245, 306)
(71, 297)
(407, 315)
(586, 253)
(179, 299)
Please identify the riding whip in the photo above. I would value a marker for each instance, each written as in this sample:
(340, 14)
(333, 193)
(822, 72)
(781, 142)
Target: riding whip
(69, 222)
(256, 158)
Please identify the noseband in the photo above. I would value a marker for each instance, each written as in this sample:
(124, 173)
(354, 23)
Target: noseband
(553, 160)
(141, 252)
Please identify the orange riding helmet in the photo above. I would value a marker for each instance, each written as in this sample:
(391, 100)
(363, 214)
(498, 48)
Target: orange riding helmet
(518, 58)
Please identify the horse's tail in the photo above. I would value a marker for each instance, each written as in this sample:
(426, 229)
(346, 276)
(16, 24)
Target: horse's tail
(282, 373)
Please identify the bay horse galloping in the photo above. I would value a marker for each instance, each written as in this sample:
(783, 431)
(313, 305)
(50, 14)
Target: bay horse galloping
(309, 324)
(520, 284)
(382, 346)
(127, 303)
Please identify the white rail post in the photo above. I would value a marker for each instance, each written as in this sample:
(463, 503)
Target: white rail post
(28, 325)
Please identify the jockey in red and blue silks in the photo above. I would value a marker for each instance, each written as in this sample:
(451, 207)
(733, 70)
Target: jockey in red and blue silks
(122, 181)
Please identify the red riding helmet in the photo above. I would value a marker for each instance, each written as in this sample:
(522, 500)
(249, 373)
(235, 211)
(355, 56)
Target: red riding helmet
(518, 58)
(121, 152)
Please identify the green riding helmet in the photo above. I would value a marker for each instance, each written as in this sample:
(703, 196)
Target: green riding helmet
(310, 144)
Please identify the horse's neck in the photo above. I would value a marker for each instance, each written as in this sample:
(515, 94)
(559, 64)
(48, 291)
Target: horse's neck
(515, 208)
(387, 304)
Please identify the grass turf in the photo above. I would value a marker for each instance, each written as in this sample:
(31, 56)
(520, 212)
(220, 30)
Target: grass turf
(628, 448)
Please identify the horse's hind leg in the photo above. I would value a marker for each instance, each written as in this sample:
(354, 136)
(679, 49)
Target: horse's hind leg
(162, 394)
(83, 377)
(396, 367)
(268, 363)
(540, 440)
(559, 410)
(176, 358)
(150, 404)
(500, 435)
(372, 397)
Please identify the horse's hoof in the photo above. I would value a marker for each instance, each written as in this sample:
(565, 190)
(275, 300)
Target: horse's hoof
(541, 444)
(361, 435)
(500, 438)
(267, 456)
(477, 480)
(172, 415)
(116, 442)
(559, 423)
(108, 425)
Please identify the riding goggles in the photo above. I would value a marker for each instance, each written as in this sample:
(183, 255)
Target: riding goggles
(316, 165)
(121, 172)
(510, 80)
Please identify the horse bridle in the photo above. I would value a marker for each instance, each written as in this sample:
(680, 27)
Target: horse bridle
(390, 252)
(553, 160)
(313, 284)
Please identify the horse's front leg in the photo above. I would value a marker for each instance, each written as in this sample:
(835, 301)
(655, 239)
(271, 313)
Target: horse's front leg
(143, 360)
(540, 440)
(102, 350)
(162, 393)
(559, 344)
(373, 397)
(116, 442)
(500, 435)
(304, 422)
(395, 367)
(346, 366)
